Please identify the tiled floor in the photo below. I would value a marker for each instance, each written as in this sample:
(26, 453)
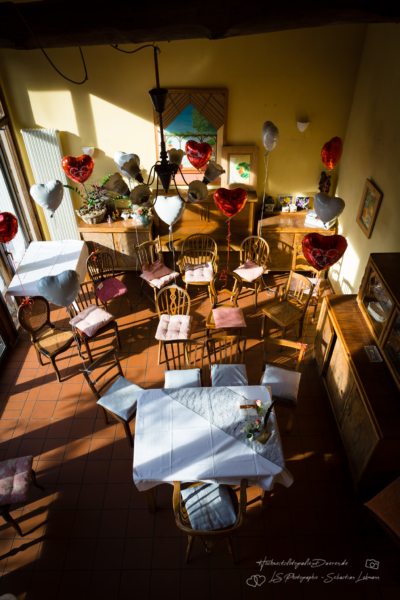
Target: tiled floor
(90, 536)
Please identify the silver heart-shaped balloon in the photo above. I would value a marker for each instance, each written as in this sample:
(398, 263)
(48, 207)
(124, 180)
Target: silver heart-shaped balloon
(48, 195)
(328, 207)
(60, 289)
(269, 135)
(169, 209)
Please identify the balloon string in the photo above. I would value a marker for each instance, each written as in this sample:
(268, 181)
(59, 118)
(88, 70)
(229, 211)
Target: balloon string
(266, 159)
(26, 300)
(224, 272)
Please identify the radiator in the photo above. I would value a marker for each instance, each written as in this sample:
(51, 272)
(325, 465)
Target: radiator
(45, 154)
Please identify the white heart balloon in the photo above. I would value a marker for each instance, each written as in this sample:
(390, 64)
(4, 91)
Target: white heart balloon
(48, 195)
(328, 207)
(128, 164)
(60, 289)
(269, 135)
(169, 209)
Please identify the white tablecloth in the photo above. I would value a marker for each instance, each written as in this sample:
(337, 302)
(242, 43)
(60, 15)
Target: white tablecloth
(173, 443)
(47, 258)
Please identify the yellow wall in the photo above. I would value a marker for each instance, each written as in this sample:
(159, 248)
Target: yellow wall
(371, 150)
(279, 77)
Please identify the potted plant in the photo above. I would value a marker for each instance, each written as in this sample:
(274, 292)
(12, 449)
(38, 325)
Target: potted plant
(94, 201)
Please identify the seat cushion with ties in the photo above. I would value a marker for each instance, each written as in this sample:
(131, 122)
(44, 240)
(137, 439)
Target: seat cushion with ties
(198, 273)
(109, 289)
(15, 479)
(91, 319)
(209, 507)
(121, 398)
(249, 271)
(174, 327)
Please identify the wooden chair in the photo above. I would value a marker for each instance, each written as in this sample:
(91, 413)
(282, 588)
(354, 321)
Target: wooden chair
(256, 249)
(281, 374)
(215, 293)
(227, 499)
(149, 252)
(81, 303)
(181, 357)
(290, 309)
(226, 356)
(196, 250)
(47, 339)
(320, 285)
(100, 266)
(119, 400)
(171, 300)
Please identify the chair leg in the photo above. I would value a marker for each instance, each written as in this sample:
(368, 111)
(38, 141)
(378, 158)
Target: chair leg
(8, 518)
(53, 362)
(159, 351)
(128, 433)
(117, 335)
(105, 415)
(35, 483)
(301, 327)
(229, 541)
(39, 356)
(141, 286)
(189, 548)
(290, 420)
(85, 341)
(129, 302)
(264, 318)
(255, 293)
(315, 310)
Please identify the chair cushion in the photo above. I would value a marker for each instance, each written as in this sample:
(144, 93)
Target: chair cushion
(15, 479)
(111, 288)
(174, 327)
(120, 398)
(91, 319)
(209, 507)
(53, 340)
(198, 273)
(156, 270)
(224, 375)
(283, 383)
(185, 378)
(159, 283)
(250, 271)
(228, 317)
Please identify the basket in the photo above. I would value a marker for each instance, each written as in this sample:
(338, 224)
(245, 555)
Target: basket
(90, 220)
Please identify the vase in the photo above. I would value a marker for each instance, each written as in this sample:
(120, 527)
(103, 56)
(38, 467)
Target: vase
(143, 219)
(285, 208)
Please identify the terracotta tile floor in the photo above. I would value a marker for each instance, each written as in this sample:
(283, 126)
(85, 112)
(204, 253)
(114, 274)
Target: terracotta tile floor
(89, 535)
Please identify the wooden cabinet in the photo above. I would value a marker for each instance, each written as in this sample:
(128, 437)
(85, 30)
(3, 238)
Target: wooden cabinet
(284, 233)
(364, 397)
(119, 239)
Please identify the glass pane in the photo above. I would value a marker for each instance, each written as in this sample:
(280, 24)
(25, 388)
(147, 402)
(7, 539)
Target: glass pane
(12, 308)
(18, 245)
(392, 346)
(376, 302)
(2, 347)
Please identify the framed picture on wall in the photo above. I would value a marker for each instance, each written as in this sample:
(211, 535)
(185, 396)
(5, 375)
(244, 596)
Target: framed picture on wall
(240, 164)
(368, 209)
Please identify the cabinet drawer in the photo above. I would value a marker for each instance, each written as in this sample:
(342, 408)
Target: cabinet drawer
(324, 338)
(339, 380)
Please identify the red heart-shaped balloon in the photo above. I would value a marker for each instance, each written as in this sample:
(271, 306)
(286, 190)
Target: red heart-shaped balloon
(8, 227)
(198, 154)
(78, 169)
(331, 152)
(230, 202)
(322, 251)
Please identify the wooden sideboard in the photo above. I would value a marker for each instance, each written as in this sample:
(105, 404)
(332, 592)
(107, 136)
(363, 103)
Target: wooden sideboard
(363, 395)
(284, 233)
(117, 238)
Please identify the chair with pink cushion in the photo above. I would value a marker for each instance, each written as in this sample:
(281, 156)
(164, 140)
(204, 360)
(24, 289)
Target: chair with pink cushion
(16, 475)
(107, 287)
(198, 261)
(254, 253)
(225, 316)
(151, 262)
(173, 307)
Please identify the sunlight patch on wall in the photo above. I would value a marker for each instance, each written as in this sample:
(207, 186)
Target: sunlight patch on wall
(54, 110)
(343, 274)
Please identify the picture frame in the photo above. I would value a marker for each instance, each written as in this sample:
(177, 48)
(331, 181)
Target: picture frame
(369, 206)
(240, 164)
(200, 114)
(281, 198)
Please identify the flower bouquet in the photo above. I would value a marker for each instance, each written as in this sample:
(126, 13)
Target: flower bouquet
(251, 428)
(143, 214)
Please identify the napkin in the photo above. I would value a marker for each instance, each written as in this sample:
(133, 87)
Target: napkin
(247, 408)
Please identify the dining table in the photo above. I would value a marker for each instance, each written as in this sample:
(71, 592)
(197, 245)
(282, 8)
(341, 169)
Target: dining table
(195, 435)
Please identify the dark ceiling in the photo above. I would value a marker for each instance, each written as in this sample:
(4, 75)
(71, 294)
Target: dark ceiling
(64, 23)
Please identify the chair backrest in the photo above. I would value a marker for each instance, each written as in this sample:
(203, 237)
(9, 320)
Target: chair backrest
(100, 266)
(33, 317)
(113, 363)
(317, 279)
(254, 248)
(232, 280)
(226, 349)
(173, 300)
(292, 361)
(149, 252)
(184, 354)
(85, 298)
(298, 292)
(199, 243)
(195, 257)
(183, 522)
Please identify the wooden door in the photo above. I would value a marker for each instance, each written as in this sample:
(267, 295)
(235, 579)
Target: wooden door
(339, 380)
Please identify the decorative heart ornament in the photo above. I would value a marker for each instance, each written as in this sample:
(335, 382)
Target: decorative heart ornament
(230, 202)
(331, 152)
(269, 135)
(8, 227)
(48, 195)
(60, 289)
(328, 207)
(253, 581)
(169, 209)
(78, 169)
(129, 165)
(323, 251)
(198, 154)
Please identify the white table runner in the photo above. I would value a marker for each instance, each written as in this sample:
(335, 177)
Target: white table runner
(47, 258)
(174, 443)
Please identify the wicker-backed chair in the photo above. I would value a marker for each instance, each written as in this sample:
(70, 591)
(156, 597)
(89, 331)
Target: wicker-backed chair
(184, 359)
(197, 250)
(107, 287)
(233, 293)
(202, 500)
(256, 250)
(171, 301)
(148, 253)
(47, 339)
